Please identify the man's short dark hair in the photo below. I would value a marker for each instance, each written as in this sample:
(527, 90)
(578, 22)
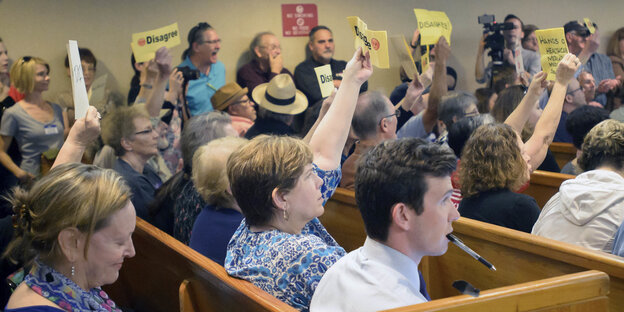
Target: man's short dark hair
(510, 16)
(454, 105)
(394, 172)
(85, 55)
(369, 114)
(576, 27)
(460, 132)
(583, 119)
(315, 29)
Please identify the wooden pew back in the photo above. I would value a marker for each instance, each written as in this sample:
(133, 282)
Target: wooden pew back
(150, 281)
(519, 257)
(584, 291)
(544, 185)
(563, 152)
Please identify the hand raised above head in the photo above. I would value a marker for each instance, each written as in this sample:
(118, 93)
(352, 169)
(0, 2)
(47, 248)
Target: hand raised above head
(163, 61)
(359, 68)
(566, 68)
(85, 130)
(539, 83)
(442, 49)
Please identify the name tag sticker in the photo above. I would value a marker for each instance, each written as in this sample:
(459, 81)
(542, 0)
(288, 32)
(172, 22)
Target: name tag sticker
(50, 129)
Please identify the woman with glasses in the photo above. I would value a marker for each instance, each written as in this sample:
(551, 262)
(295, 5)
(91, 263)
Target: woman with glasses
(37, 125)
(129, 132)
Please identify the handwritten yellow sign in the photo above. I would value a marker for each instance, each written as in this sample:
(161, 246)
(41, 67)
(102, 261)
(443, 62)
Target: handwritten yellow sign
(325, 80)
(433, 25)
(405, 55)
(552, 47)
(376, 42)
(145, 44)
(424, 60)
(590, 25)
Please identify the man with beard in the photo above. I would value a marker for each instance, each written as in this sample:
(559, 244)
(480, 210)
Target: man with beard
(321, 46)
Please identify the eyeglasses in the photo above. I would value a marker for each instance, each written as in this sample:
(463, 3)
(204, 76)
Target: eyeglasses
(146, 131)
(246, 101)
(212, 41)
(397, 113)
(573, 91)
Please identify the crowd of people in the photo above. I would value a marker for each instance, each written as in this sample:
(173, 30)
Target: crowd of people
(240, 171)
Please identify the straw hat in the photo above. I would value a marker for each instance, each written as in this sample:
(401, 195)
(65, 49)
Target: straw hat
(227, 95)
(280, 96)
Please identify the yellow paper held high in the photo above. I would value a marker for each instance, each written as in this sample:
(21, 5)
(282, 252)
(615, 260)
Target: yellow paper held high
(145, 44)
(433, 25)
(325, 79)
(376, 42)
(552, 47)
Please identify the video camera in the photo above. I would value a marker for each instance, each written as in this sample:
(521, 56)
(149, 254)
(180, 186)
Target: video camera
(495, 40)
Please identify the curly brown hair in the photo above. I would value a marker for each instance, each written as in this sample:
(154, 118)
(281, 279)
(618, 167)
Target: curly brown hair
(491, 159)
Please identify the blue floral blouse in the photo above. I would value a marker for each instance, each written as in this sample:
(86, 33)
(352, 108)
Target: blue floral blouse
(287, 266)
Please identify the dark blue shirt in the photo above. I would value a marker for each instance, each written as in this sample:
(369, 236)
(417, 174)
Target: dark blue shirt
(143, 186)
(213, 230)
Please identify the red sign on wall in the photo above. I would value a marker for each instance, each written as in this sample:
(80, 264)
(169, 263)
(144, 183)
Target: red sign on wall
(298, 19)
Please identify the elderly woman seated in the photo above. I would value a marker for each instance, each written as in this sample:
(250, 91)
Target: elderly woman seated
(218, 220)
(74, 227)
(281, 184)
(588, 210)
(130, 133)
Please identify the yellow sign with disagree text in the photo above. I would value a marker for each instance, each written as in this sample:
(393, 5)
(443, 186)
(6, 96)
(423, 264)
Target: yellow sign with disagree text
(433, 25)
(145, 44)
(376, 42)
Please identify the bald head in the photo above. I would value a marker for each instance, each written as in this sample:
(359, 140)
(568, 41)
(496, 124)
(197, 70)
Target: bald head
(371, 108)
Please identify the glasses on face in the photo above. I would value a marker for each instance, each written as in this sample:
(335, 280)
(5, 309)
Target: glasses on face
(574, 91)
(272, 47)
(212, 41)
(397, 113)
(245, 101)
(146, 131)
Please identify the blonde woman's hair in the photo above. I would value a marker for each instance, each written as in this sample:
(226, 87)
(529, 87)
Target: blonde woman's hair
(603, 146)
(23, 73)
(262, 165)
(70, 195)
(209, 171)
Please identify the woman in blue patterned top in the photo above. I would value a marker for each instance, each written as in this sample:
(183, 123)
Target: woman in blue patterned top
(281, 185)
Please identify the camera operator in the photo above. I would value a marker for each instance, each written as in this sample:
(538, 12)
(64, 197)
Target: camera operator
(512, 35)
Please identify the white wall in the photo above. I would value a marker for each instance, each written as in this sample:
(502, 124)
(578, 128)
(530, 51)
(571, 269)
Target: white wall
(42, 28)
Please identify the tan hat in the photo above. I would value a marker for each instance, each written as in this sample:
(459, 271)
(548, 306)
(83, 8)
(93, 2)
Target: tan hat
(280, 96)
(227, 95)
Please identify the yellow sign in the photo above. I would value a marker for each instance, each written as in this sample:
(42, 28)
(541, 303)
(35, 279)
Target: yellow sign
(376, 42)
(433, 25)
(552, 47)
(325, 79)
(145, 44)
(424, 61)
(405, 55)
(590, 25)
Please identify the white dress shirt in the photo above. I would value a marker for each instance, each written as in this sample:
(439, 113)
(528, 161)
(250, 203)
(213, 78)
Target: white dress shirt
(372, 278)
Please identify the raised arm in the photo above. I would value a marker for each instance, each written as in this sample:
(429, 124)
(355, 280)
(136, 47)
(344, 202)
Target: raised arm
(438, 86)
(83, 132)
(161, 64)
(537, 145)
(479, 63)
(331, 134)
(520, 114)
(413, 97)
(324, 108)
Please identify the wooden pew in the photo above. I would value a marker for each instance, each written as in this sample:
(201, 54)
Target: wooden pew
(563, 152)
(150, 281)
(519, 257)
(584, 291)
(543, 185)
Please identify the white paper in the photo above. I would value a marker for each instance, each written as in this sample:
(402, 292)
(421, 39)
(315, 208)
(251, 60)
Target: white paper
(81, 100)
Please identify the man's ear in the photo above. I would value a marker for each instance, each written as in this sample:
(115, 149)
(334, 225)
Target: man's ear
(257, 52)
(71, 242)
(195, 46)
(568, 36)
(400, 215)
(569, 98)
(310, 46)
